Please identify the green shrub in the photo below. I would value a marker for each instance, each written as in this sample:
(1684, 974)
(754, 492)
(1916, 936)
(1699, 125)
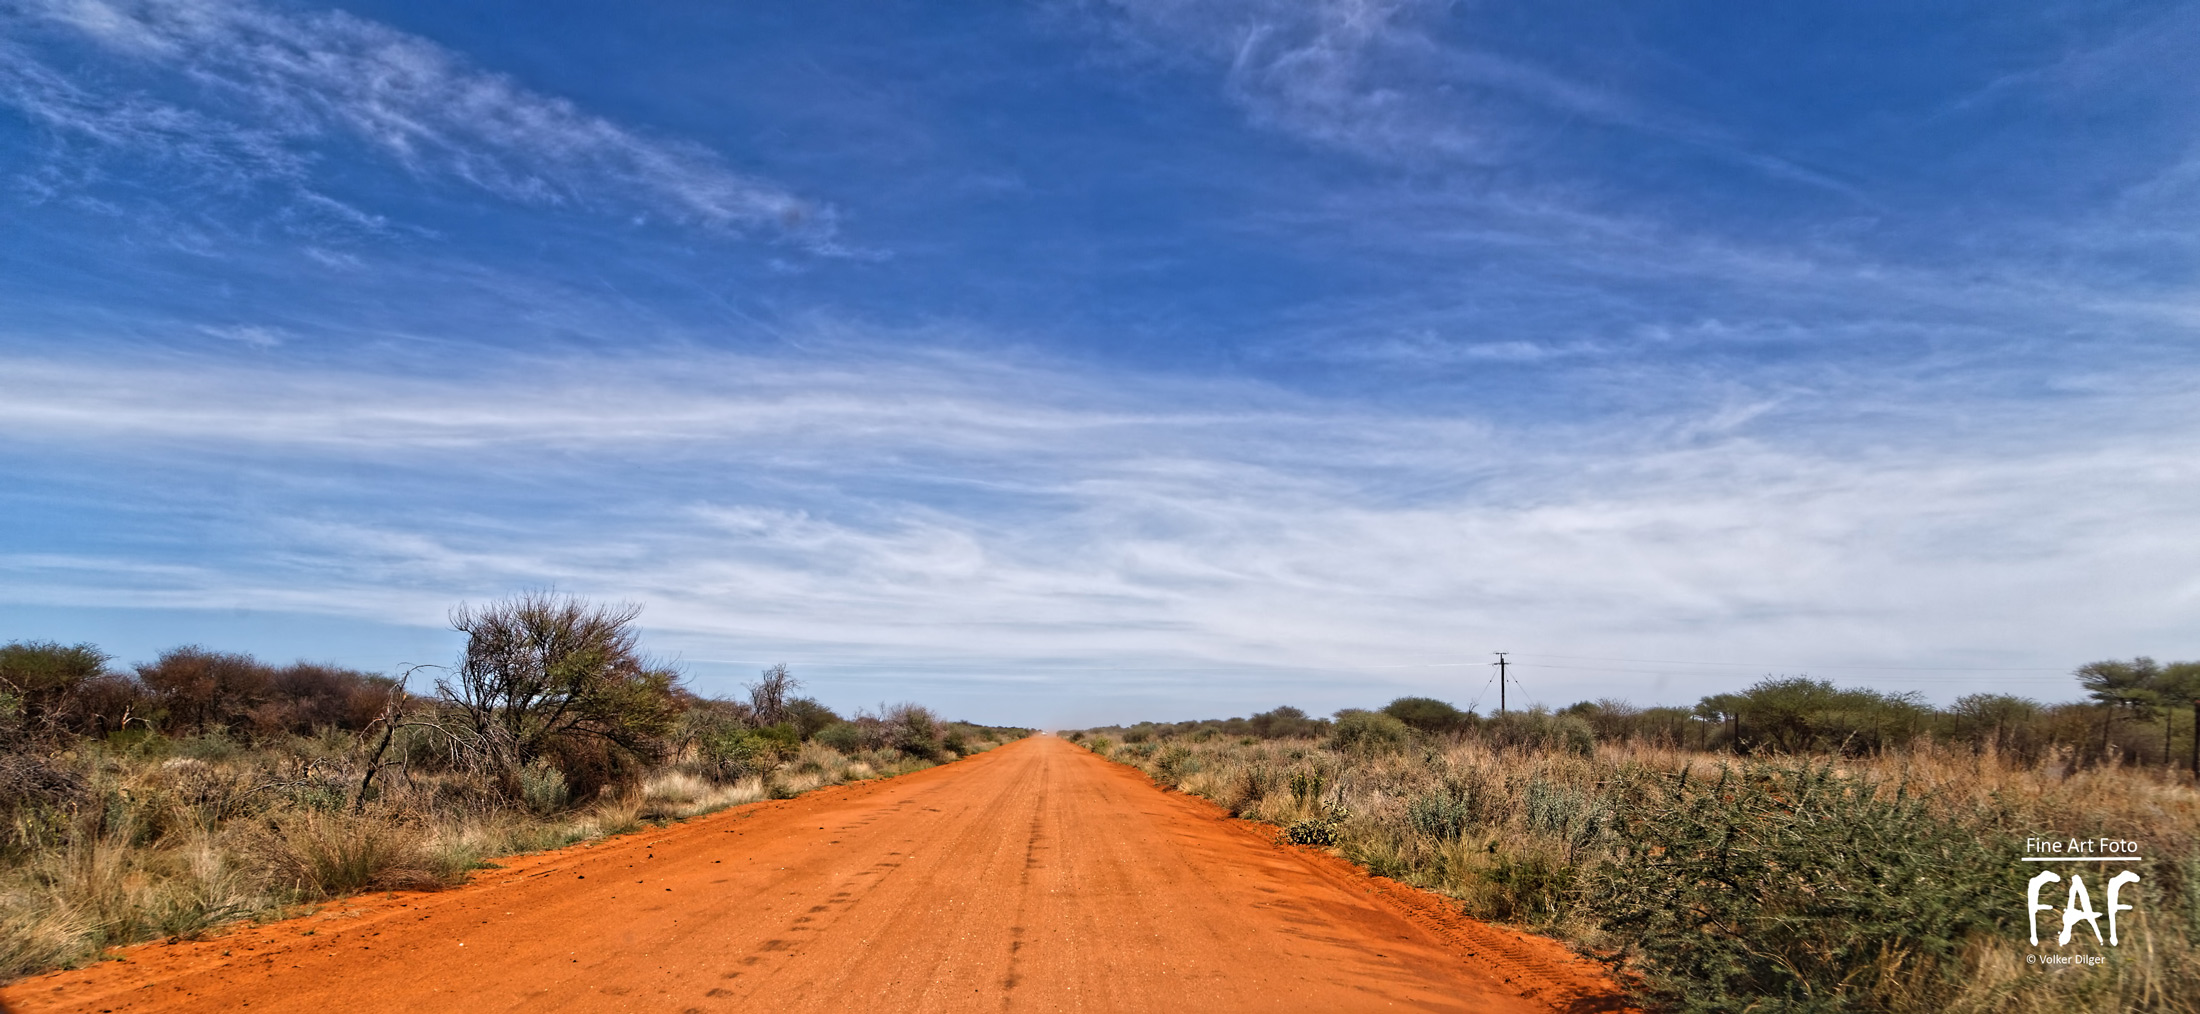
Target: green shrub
(810, 717)
(1441, 816)
(1526, 887)
(1173, 763)
(1428, 714)
(782, 739)
(542, 788)
(39, 681)
(1321, 830)
(1307, 785)
(914, 730)
(1796, 714)
(1796, 888)
(1368, 732)
(841, 736)
(1285, 722)
(734, 752)
(1541, 730)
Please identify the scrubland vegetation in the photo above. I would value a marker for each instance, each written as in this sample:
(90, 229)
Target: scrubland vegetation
(200, 788)
(1798, 847)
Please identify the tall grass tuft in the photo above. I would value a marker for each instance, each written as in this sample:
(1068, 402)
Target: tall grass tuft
(319, 855)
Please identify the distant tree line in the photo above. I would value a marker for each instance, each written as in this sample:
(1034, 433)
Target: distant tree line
(546, 682)
(2135, 711)
(50, 690)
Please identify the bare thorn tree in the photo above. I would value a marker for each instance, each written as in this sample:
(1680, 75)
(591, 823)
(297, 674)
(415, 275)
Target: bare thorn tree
(768, 695)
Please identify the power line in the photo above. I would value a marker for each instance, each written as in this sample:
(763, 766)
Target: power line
(1766, 665)
(1477, 702)
(1050, 667)
(1881, 679)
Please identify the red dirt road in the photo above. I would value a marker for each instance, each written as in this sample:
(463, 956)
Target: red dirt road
(1033, 877)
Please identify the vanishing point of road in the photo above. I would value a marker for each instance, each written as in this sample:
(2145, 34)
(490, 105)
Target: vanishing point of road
(1033, 877)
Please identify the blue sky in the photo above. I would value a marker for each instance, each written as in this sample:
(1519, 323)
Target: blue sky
(1071, 362)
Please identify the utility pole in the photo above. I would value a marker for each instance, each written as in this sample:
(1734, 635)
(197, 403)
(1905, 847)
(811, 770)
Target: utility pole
(1500, 663)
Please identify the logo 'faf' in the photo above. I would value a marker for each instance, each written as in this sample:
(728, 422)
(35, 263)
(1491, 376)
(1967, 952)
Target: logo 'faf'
(2077, 904)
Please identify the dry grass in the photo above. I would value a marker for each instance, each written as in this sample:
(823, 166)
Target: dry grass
(1541, 839)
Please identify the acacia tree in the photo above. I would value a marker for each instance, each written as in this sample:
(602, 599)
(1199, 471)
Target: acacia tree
(2123, 687)
(39, 681)
(539, 667)
(2179, 683)
(1995, 719)
(1719, 709)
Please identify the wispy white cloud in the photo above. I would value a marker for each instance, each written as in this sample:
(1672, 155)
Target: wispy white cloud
(254, 335)
(1353, 74)
(1405, 82)
(272, 82)
(1009, 519)
(139, 122)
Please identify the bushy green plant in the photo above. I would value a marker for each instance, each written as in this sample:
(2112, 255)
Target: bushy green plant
(1368, 732)
(1307, 785)
(841, 736)
(1321, 829)
(1173, 763)
(1285, 722)
(1540, 730)
(1428, 714)
(735, 751)
(40, 679)
(810, 717)
(1798, 714)
(543, 789)
(1526, 885)
(915, 731)
(1442, 816)
(1793, 887)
